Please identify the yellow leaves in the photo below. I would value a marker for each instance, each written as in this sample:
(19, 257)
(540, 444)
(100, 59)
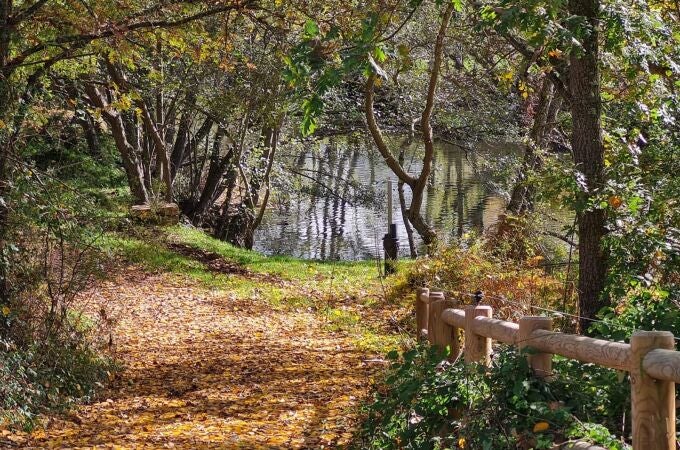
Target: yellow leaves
(507, 76)
(556, 53)
(221, 366)
(6, 310)
(462, 442)
(169, 415)
(535, 261)
(123, 103)
(541, 426)
(2, 124)
(523, 89)
(615, 201)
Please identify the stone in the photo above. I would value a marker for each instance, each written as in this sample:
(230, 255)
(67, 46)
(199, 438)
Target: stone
(157, 214)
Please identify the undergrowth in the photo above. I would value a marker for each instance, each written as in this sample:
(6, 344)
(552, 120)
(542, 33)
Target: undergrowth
(426, 403)
(513, 288)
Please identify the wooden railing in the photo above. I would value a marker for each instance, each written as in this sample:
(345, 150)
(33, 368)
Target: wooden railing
(650, 358)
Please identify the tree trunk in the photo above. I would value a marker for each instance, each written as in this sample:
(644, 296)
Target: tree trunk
(418, 184)
(402, 202)
(161, 150)
(588, 148)
(91, 133)
(214, 185)
(131, 163)
(273, 143)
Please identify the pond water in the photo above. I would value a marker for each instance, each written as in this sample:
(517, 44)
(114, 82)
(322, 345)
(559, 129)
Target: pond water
(335, 206)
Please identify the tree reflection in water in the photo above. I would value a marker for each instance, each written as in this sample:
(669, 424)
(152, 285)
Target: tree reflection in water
(338, 208)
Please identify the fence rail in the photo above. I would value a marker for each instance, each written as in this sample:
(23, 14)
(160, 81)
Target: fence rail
(650, 358)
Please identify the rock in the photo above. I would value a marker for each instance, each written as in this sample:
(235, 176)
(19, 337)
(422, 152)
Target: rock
(159, 214)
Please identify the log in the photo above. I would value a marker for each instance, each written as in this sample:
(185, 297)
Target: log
(498, 330)
(162, 214)
(454, 317)
(663, 365)
(615, 355)
(653, 401)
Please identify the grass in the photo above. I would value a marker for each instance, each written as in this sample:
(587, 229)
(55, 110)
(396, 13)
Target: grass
(349, 296)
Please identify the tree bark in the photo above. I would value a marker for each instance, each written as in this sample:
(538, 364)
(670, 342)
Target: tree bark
(161, 150)
(131, 163)
(273, 143)
(402, 203)
(214, 185)
(588, 148)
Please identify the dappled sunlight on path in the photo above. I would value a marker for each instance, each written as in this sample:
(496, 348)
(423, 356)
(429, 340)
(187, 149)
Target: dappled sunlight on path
(206, 370)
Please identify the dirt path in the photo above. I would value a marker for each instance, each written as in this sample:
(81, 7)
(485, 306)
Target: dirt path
(204, 369)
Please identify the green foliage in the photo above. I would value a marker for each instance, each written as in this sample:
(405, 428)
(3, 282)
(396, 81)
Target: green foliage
(49, 354)
(424, 403)
(51, 375)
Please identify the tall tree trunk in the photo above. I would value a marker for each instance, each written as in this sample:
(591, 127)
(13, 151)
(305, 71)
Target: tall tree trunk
(273, 143)
(588, 148)
(402, 201)
(91, 133)
(159, 145)
(214, 185)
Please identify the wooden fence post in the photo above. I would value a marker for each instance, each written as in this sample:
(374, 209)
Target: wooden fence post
(653, 401)
(540, 363)
(421, 311)
(432, 321)
(441, 333)
(477, 348)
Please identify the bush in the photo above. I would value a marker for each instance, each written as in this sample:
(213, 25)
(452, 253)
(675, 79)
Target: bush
(48, 357)
(425, 403)
(52, 376)
(511, 287)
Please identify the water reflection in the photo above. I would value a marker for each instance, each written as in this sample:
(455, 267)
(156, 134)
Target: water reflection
(337, 208)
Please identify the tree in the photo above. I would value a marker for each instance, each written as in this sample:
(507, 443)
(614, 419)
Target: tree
(588, 151)
(36, 37)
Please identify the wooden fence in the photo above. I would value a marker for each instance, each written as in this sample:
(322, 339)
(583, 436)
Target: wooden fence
(650, 358)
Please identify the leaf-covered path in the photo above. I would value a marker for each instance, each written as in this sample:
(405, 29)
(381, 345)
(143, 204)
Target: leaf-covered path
(206, 368)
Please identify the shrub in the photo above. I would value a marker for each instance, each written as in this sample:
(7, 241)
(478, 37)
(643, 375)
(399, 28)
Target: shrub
(425, 403)
(47, 356)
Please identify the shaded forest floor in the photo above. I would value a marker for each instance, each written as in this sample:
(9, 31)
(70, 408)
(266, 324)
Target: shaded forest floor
(222, 348)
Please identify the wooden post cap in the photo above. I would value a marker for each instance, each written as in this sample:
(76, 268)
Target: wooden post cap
(422, 292)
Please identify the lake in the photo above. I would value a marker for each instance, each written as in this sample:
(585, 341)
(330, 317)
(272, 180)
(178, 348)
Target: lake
(335, 206)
